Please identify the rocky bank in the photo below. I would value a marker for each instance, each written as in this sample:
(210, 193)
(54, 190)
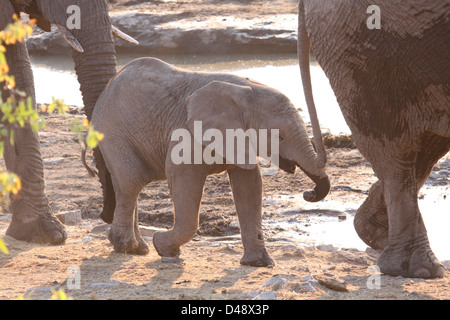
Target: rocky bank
(195, 27)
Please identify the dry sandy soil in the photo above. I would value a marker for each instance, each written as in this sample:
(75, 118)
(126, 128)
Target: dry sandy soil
(210, 267)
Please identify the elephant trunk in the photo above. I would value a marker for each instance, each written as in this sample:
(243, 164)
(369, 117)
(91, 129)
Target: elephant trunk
(320, 191)
(305, 158)
(317, 175)
(95, 67)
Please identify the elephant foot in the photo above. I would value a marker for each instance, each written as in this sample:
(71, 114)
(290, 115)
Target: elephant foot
(257, 259)
(45, 229)
(142, 248)
(413, 259)
(124, 241)
(371, 219)
(162, 246)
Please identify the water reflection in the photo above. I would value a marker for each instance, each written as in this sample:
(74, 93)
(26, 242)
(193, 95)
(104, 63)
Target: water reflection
(317, 224)
(56, 76)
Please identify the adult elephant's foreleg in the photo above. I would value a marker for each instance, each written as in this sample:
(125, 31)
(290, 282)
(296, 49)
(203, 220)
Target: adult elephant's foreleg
(32, 218)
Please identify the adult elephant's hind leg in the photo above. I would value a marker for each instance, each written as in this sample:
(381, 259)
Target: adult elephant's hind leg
(408, 253)
(247, 193)
(186, 186)
(371, 219)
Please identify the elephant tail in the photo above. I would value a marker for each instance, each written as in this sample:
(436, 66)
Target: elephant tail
(303, 47)
(109, 197)
(91, 171)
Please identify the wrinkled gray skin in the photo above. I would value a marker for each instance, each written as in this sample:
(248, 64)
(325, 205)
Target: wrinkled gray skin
(392, 86)
(138, 112)
(32, 217)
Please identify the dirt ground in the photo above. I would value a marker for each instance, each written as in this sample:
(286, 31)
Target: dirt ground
(210, 268)
(86, 266)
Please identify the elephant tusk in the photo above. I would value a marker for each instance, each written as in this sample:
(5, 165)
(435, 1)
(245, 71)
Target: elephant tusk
(71, 40)
(121, 35)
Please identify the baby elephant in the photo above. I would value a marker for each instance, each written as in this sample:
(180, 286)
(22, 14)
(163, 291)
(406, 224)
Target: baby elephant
(162, 122)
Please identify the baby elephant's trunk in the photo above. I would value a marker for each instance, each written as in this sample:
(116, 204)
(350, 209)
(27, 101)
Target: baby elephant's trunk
(321, 180)
(320, 191)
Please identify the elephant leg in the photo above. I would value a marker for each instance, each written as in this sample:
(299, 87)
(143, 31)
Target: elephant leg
(124, 226)
(246, 186)
(186, 186)
(32, 217)
(128, 178)
(371, 219)
(408, 253)
(142, 245)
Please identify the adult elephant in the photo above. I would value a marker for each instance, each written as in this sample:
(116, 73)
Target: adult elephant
(95, 65)
(392, 86)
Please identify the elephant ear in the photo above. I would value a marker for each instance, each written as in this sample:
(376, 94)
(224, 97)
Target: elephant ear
(216, 108)
(6, 13)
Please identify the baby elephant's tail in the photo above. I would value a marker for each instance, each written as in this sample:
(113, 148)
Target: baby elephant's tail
(92, 171)
(109, 197)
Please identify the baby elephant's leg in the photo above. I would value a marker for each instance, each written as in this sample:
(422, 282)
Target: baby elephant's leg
(247, 193)
(142, 245)
(128, 181)
(122, 229)
(186, 186)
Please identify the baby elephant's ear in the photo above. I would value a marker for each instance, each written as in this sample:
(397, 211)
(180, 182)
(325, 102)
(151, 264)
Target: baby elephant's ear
(219, 106)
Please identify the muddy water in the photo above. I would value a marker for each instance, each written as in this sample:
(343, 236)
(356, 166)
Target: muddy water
(55, 77)
(335, 226)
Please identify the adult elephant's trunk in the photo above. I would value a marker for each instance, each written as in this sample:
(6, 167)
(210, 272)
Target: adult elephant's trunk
(303, 54)
(95, 67)
(97, 64)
